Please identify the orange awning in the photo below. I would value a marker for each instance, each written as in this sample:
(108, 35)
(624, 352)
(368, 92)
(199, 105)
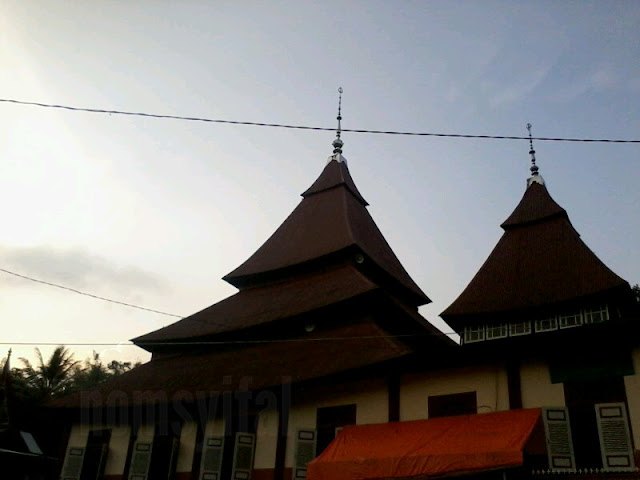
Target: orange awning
(468, 443)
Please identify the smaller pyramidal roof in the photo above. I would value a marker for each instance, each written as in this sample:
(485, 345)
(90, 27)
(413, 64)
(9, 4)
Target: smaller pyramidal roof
(540, 261)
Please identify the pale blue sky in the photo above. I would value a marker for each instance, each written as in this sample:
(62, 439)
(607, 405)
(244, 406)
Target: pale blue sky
(155, 212)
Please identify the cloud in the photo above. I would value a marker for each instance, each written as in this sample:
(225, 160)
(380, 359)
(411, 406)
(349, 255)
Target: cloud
(516, 91)
(601, 79)
(75, 268)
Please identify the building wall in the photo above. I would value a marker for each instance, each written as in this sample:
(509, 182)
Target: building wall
(489, 383)
(187, 447)
(372, 406)
(266, 440)
(536, 387)
(118, 449)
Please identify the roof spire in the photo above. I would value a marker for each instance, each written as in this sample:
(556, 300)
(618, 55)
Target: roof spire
(337, 143)
(535, 178)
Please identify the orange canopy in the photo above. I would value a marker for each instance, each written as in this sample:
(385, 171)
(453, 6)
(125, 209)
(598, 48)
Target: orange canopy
(426, 447)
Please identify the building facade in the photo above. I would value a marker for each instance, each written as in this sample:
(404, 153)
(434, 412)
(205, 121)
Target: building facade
(324, 340)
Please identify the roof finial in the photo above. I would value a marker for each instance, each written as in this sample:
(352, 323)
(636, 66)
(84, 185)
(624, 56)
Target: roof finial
(337, 143)
(532, 152)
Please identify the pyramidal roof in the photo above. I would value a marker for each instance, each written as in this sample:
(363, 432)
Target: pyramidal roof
(329, 250)
(539, 261)
(331, 221)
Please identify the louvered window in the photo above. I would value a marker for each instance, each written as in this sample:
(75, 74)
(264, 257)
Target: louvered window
(243, 454)
(72, 467)
(559, 443)
(473, 334)
(615, 441)
(520, 328)
(596, 315)
(546, 324)
(304, 453)
(211, 467)
(497, 331)
(140, 461)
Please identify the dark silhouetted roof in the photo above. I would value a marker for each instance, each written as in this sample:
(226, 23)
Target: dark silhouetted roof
(331, 218)
(540, 260)
(259, 305)
(183, 377)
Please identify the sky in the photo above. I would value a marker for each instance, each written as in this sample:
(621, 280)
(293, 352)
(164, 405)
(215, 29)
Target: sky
(154, 212)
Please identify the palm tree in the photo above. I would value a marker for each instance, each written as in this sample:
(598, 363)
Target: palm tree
(52, 378)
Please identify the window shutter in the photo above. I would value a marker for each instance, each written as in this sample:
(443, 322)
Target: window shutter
(72, 467)
(140, 461)
(305, 452)
(243, 456)
(212, 458)
(615, 441)
(559, 443)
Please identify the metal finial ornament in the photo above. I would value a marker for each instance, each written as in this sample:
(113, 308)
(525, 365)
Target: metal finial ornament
(532, 152)
(338, 143)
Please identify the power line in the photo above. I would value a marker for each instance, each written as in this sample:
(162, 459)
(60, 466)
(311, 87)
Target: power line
(25, 277)
(225, 342)
(304, 127)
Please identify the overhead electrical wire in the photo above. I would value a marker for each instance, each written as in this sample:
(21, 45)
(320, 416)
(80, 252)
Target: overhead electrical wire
(226, 342)
(79, 292)
(306, 127)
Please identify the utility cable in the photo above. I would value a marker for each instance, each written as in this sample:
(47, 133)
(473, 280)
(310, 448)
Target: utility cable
(303, 127)
(89, 294)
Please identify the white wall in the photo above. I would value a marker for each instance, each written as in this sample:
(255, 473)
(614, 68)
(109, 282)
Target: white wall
(372, 406)
(537, 389)
(489, 383)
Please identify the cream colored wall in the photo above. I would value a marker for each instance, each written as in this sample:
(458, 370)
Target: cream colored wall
(632, 385)
(537, 389)
(372, 406)
(118, 448)
(145, 433)
(214, 428)
(266, 440)
(489, 383)
(78, 436)
(187, 447)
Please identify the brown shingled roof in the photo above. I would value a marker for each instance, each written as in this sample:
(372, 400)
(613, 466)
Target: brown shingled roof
(259, 305)
(183, 377)
(540, 260)
(331, 217)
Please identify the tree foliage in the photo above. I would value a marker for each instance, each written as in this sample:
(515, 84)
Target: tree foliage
(61, 374)
(636, 291)
(52, 377)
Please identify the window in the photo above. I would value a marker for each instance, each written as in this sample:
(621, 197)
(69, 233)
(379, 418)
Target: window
(328, 419)
(599, 424)
(596, 315)
(496, 331)
(473, 334)
(546, 324)
(238, 445)
(95, 456)
(164, 451)
(454, 404)
(569, 320)
(520, 328)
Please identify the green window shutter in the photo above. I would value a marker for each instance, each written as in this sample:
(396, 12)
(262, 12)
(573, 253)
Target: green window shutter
(72, 467)
(615, 441)
(140, 461)
(559, 442)
(243, 454)
(211, 466)
(305, 452)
